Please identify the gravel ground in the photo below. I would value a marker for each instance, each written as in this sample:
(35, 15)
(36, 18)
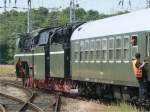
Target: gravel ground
(44, 101)
(13, 92)
(74, 105)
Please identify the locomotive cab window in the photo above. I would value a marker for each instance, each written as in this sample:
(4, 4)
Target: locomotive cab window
(28, 44)
(25, 44)
(17, 43)
(44, 37)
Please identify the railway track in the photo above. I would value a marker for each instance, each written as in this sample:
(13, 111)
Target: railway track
(15, 103)
(20, 102)
(57, 100)
(57, 103)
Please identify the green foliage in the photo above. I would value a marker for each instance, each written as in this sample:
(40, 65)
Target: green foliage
(11, 23)
(14, 22)
(81, 14)
(92, 15)
(39, 17)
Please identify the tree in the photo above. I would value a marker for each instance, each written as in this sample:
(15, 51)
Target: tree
(39, 17)
(92, 15)
(80, 14)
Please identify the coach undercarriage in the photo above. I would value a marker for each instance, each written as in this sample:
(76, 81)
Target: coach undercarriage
(88, 89)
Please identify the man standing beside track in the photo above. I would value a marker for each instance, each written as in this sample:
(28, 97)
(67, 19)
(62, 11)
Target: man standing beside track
(20, 72)
(140, 75)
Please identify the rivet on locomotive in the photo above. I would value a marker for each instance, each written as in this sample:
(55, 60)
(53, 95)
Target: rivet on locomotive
(93, 58)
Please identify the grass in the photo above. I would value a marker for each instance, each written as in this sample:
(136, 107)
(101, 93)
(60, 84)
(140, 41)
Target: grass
(123, 107)
(7, 70)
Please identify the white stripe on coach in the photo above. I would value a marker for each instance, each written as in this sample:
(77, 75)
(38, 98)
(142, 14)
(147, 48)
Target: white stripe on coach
(39, 54)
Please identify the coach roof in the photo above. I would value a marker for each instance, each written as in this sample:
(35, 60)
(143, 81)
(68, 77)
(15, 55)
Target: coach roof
(131, 22)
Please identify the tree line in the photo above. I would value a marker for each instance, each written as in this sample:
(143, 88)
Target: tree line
(14, 22)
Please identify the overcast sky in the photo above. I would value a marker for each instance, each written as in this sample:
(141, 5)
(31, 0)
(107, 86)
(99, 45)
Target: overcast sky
(103, 6)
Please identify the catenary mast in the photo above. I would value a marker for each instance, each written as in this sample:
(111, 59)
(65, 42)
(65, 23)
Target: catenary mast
(72, 11)
(29, 28)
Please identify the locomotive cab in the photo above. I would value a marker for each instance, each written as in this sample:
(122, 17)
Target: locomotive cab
(23, 45)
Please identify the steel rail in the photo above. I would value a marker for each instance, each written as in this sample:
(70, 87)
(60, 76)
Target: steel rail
(57, 103)
(27, 91)
(36, 108)
(22, 108)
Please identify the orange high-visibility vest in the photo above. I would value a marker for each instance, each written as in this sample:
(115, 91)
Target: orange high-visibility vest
(137, 71)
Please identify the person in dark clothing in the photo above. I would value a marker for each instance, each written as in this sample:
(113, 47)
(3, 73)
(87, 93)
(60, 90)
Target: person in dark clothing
(20, 72)
(18, 68)
(140, 75)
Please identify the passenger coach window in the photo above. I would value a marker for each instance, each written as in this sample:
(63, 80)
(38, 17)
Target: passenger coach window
(111, 49)
(126, 48)
(92, 48)
(86, 46)
(118, 48)
(81, 50)
(134, 40)
(76, 49)
(98, 49)
(104, 49)
(134, 44)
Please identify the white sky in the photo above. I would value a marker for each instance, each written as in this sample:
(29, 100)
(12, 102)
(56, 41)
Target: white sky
(103, 6)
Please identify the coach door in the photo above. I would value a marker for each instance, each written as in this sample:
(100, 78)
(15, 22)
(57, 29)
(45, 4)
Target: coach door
(148, 54)
(134, 45)
(148, 44)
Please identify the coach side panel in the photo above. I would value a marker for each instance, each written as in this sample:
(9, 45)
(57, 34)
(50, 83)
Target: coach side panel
(115, 59)
(56, 60)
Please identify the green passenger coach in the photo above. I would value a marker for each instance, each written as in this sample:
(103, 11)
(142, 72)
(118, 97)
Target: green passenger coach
(102, 49)
(108, 59)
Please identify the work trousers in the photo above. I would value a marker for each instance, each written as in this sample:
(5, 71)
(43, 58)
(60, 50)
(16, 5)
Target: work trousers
(142, 87)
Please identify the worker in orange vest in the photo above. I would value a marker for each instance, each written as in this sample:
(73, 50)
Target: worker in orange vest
(138, 68)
